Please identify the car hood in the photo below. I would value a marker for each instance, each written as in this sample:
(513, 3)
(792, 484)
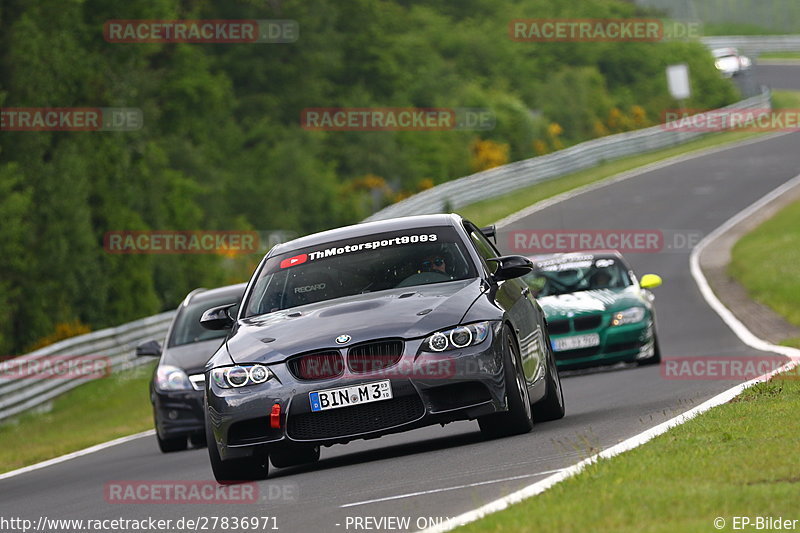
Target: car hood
(409, 312)
(589, 302)
(728, 63)
(191, 357)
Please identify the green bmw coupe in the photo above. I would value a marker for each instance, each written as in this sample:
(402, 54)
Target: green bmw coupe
(597, 311)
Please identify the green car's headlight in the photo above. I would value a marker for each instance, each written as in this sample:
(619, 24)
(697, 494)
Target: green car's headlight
(228, 377)
(456, 338)
(628, 316)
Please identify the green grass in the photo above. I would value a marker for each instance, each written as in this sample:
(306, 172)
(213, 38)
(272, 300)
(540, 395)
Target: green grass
(489, 211)
(736, 460)
(785, 99)
(99, 411)
(780, 55)
(117, 406)
(794, 342)
(765, 262)
(706, 468)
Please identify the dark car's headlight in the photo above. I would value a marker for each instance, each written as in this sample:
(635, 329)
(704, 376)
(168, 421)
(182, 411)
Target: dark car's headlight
(628, 316)
(172, 378)
(456, 338)
(233, 377)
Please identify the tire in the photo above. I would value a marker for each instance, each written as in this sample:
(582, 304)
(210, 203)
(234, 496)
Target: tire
(654, 359)
(172, 444)
(236, 470)
(198, 440)
(551, 407)
(519, 417)
(293, 455)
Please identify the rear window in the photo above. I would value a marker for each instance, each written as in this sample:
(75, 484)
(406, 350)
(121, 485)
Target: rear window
(365, 264)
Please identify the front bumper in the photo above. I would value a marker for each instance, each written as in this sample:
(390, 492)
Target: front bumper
(427, 389)
(178, 413)
(627, 343)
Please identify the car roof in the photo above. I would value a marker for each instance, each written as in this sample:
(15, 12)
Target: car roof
(201, 295)
(720, 52)
(367, 228)
(566, 257)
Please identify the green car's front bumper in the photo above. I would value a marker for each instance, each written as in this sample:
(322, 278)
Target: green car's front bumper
(628, 342)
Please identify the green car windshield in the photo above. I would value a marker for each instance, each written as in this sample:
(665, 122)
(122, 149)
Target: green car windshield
(564, 276)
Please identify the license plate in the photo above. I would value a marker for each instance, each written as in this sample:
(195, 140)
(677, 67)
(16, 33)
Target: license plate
(576, 341)
(376, 391)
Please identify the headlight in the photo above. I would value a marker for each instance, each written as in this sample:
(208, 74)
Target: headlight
(459, 337)
(227, 377)
(170, 377)
(627, 316)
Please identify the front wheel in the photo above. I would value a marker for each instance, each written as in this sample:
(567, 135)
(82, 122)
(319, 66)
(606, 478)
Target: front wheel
(198, 440)
(172, 444)
(293, 455)
(551, 407)
(519, 417)
(236, 470)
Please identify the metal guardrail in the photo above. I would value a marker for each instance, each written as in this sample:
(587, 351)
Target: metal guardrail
(509, 178)
(117, 344)
(753, 45)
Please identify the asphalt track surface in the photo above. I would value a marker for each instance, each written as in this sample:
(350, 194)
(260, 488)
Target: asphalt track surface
(441, 472)
(784, 76)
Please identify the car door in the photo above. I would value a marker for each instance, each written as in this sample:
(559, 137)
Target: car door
(514, 296)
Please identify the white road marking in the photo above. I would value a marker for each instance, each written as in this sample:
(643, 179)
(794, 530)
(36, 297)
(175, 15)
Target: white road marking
(563, 474)
(445, 489)
(739, 329)
(79, 453)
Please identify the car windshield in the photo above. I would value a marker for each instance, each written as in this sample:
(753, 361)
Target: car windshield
(364, 264)
(187, 328)
(725, 52)
(563, 276)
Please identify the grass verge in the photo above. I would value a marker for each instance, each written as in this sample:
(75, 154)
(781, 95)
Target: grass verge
(765, 263)
(684, 479)
(118, 406)
(786, 99)
(489, 211)
(705, 469)
(780, 55)
(96, 412)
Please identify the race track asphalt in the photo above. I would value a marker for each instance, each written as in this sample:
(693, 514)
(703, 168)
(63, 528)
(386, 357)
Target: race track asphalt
(440, 472)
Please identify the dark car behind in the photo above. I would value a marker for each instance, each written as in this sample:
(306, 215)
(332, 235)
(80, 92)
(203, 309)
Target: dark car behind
(176, 389)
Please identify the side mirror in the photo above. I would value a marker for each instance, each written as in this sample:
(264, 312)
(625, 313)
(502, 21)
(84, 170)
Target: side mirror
(490, 232)
(217, 317)
(148, 349)
(650, 281)
(511, 266)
